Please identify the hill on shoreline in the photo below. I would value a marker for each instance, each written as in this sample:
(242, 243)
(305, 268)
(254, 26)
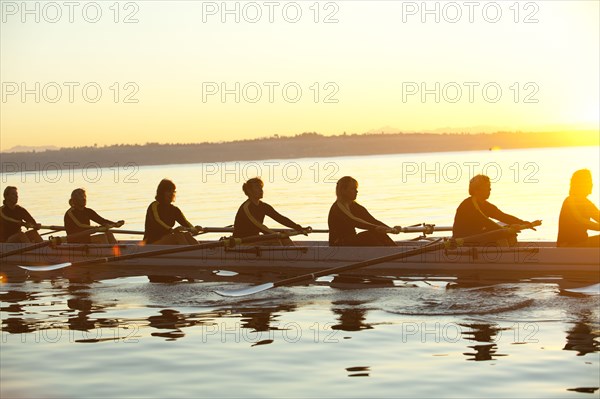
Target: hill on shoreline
(306, 145)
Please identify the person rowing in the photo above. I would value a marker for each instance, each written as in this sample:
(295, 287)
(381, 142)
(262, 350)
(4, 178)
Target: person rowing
(13, 217)
(578, 214)
(161, 217)
(474, 215)
(251, 215)
(78, 217)
(346, 215)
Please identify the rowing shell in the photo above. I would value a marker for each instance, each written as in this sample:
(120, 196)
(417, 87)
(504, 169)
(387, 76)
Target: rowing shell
(528, 258)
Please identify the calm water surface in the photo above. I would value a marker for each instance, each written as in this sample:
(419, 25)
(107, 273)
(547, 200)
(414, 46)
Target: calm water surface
(73, 334)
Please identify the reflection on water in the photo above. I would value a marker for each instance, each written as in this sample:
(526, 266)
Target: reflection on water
(582, 337)
(350, 316)
(486, 335)
(170, 320)
(100, 312)
(15, 323)
(361, 371)
(259, 320)
(171, 336)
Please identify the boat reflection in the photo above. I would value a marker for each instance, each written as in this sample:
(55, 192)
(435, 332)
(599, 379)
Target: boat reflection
(581, 337)
(485, 334)
(350, 315)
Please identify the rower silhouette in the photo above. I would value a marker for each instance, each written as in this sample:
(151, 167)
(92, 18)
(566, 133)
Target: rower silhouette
(578, 214)
(474, 215)
(161, 217)
(251, 215)
(13, 217)
(78, 217)
(346, 215)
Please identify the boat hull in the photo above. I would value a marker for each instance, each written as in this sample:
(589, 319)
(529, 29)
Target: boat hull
(527, 259)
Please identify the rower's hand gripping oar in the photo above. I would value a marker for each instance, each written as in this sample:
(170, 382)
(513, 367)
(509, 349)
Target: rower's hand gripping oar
(436, 245)
(230, 242)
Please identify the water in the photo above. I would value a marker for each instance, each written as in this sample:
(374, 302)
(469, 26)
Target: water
(77, 335)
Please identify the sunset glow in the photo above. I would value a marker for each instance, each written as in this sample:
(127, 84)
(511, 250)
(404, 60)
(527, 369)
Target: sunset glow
(157, 71)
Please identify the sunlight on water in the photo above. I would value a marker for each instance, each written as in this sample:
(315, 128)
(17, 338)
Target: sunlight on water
(401, 189)
(107, 333)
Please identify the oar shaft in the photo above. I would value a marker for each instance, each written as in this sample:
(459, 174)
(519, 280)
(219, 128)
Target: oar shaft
(408, 229)
(25, 249)
(57, 228)
(423, 229)
(56, 240)
(490, 236)
(434, 246)
(133, 232)
(230, 230)
(166, 251)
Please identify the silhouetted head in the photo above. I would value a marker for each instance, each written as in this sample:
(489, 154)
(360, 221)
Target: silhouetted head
(78, 198)
(11, 196)
(581, 183)
(253, 188)
(346, 188)
(480, 187)
(165, 192)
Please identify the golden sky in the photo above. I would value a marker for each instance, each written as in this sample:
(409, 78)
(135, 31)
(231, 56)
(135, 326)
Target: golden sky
(190, 71)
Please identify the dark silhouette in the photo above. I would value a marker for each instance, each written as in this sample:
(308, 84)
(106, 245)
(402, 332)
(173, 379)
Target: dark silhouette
(578, 214)
(251, 214)
(13, 217)
(474, 215)
(346, 215)
(582, 338)
(161, 217)
(78, 217)
(486, 334)
(351, 318)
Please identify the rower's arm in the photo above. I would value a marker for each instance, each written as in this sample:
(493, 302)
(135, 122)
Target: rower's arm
(595, 216)
(279, 218)
(180, 218)
(30, 221)
(495, 213)
(591, 212)
(98, 219)
(363, 214)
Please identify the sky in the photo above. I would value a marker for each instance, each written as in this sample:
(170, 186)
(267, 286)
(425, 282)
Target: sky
(107, 72)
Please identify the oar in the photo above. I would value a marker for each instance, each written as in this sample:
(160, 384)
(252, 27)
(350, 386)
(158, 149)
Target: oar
(185, 248)
(424, 228)
(57, 228)
(53, 229)
(53, 240)
(434, 246)
(229, 229)
(133, 232)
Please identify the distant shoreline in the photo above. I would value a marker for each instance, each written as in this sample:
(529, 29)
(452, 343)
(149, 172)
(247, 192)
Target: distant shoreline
(307, 145)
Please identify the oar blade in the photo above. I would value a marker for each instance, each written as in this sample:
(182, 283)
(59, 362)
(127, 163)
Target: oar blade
(46, 268)
(245, 291)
